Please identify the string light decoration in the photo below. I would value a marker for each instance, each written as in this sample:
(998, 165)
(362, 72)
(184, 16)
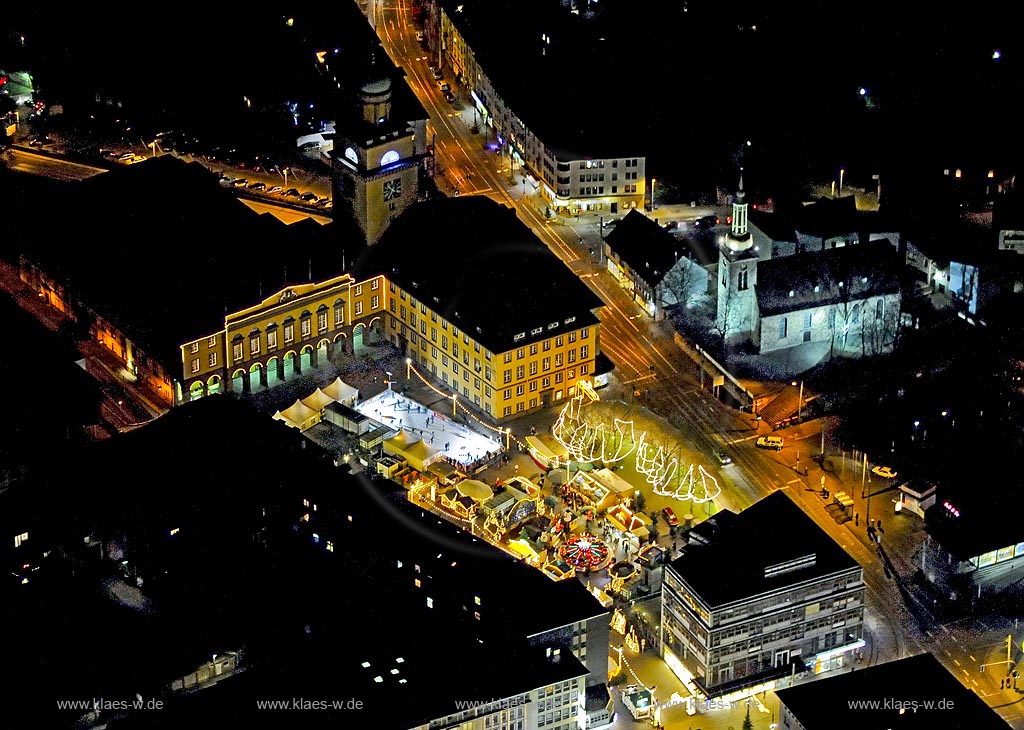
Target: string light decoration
(461, 407)
(588, 443)
(618, 622)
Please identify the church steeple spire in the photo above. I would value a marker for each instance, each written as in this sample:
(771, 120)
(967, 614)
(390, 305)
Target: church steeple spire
(739, 235)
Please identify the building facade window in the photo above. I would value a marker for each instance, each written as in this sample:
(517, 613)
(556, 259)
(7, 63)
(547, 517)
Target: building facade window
(783, 327)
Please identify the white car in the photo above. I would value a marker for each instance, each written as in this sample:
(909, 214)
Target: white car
(884, 472)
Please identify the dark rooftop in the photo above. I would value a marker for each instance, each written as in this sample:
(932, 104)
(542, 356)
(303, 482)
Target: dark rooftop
(647, 248)
(820, 278)
(552, 40)
(782, 533)
(979, 525)
(825, 703)
(486, 272)
(163, 251)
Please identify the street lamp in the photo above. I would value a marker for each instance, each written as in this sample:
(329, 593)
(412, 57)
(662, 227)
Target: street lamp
(654, 181)
(389, 378)
(408, 368)
(842, 171)
(800, 404)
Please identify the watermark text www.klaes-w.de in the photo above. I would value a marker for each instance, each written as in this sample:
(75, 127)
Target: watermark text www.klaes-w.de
(102, 704)
(900, 704)
(309, 703)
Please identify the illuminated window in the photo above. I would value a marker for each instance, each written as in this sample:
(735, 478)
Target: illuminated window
(584, 350)
(519, 390)
(359, 308)
(374, 302)
(271, 339)
(508, 357)
(213, 359)
(195, 365)
(339, 314)
(289, 333)
(236, 351)
(212, 342)
(507, 411)
(254, 345)
(375, 285)
(321, 321)
(559, 341)
(304, 327)
(330, 546)
(430, 602)
(417, 583)
(194, 347)
(359, 290)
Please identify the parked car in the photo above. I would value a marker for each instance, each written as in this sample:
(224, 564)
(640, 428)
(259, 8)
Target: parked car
(769, 442)
(39, 141)
(436, 72)
(275, 190)
(723, 458)
(291, 193)
(670, 516)
(706, 221)
(225, 180)
(308, 197)
(240, 182)
(257, 186)
(610, 223)
(884, 471)
(323, 201)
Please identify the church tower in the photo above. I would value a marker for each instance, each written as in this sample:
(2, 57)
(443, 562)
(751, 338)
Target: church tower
(376, 158)
(737, 276)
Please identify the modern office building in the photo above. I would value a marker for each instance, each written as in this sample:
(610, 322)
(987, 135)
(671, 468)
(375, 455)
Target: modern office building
(764, 595)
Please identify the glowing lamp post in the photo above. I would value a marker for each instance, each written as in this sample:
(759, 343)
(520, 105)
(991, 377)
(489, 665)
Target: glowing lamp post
(408, 368)
(455, 399)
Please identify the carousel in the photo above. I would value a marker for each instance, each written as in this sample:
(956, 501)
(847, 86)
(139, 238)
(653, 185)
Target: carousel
(584, 552)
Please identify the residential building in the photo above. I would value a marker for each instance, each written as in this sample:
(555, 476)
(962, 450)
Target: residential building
(792, 600)
(576, 163)
(489, 314)
(907, 694)
(657, 268)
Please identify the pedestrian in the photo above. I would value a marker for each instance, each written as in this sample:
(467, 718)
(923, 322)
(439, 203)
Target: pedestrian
(856, 519)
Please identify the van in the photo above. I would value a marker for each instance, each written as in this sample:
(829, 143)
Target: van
(769, 442)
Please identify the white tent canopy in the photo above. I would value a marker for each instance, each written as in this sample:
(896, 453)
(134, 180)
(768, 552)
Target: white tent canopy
(318, 400)
(412, 449)
(298, 415)
(342, 392)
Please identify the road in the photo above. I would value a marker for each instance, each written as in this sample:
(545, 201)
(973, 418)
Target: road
(54, 168)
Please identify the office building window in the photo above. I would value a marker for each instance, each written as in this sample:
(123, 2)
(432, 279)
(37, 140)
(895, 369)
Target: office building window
(807, 320)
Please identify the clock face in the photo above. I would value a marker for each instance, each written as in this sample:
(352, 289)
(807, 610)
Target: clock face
(389, 157)
(392, 189)
(351, 154)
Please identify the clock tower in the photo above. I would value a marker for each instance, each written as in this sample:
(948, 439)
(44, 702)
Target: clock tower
(376, 159)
